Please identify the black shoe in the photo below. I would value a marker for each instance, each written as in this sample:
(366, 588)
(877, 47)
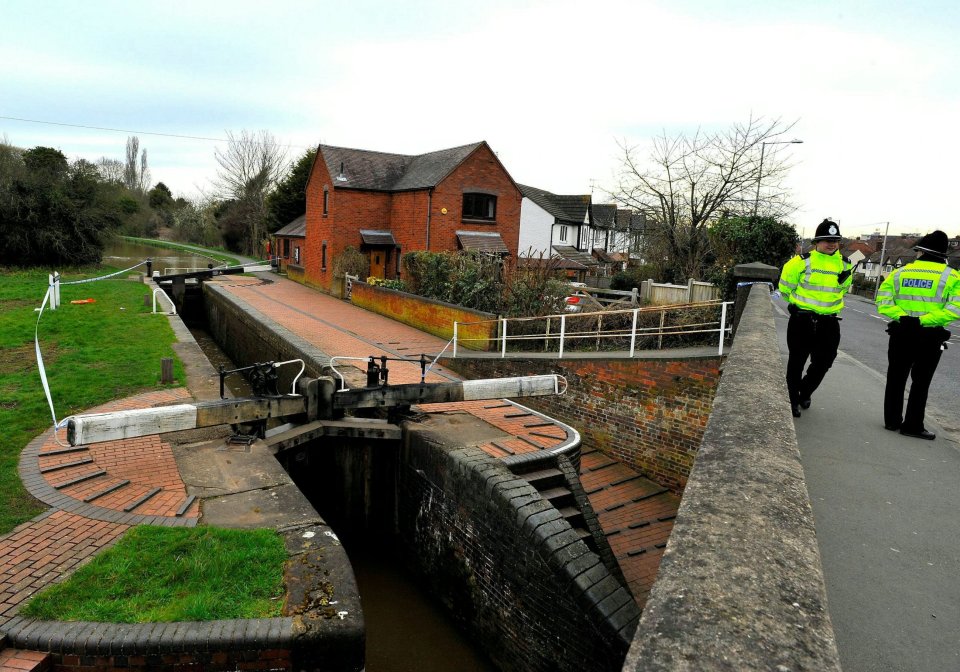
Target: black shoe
(922, 434)
(805, 403)
(892, 428)
(796, 410)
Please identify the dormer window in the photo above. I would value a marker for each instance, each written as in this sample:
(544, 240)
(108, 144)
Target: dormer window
(480, 206)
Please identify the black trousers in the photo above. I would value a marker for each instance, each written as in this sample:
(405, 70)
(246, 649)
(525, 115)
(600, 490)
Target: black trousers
(814, 337)
(915, 353)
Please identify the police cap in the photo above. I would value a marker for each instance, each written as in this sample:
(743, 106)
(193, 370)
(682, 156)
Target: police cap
(827, 230)
(933, 243)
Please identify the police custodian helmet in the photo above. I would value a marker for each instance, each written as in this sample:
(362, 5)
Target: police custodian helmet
(827, 230)
(933, 243)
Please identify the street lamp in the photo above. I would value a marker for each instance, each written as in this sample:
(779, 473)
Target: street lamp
(883, 252)
(763, 147)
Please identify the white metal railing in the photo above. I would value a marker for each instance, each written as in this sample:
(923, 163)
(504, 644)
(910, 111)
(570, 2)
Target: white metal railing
(173, 306)
(622, 327)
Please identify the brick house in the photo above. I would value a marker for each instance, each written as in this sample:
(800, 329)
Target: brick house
(288, 243)
(389, 204)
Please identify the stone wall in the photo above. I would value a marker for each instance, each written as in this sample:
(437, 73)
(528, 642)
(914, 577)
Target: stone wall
(648, 413)
(505, 562)
(434, 317)
(740, 586)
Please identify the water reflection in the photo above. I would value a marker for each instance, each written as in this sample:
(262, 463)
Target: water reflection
(122, 253)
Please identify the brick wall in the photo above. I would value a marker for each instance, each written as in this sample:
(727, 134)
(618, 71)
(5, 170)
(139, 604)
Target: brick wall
(650, 414)
(434, 317)
(506, 564)
(480, 172)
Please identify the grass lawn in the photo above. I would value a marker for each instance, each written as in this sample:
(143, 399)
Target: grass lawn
(160, 574)
(93, 353)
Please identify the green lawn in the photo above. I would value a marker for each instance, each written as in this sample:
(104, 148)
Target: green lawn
(93, 353)
(159, 574)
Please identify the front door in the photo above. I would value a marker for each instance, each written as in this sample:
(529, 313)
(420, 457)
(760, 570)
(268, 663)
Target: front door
(377, 263)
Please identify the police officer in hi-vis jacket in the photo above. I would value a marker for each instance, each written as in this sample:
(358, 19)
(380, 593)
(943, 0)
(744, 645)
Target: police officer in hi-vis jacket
(814, 284)
(921, 298)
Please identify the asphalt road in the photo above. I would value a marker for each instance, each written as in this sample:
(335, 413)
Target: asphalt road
(863, 336)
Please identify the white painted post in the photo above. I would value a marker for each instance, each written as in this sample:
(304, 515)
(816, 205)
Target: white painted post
(723, 325)
(563, 330)
(53, 300)
(56, 287)
(455, 324)
(633, 330)
(663, 317)
(503, 336)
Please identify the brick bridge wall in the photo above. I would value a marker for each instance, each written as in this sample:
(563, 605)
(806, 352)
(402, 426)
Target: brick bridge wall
(648, 413)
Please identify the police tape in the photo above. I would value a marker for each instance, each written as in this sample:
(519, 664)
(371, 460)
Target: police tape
(36, 342)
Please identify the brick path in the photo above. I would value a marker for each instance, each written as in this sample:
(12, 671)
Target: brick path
(90, 514)
(635, 513)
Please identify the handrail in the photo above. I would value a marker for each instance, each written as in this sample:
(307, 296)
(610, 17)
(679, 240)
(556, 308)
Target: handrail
(172, 304)
(627, 329)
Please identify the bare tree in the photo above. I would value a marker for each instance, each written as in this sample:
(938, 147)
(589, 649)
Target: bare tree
(250, 168)
(136, 175)
(111, 170)
(690, 181)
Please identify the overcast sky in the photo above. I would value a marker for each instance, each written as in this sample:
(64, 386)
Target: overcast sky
(552, 86)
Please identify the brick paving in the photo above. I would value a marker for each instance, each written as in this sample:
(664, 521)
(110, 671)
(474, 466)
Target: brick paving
(88, 515)
(635, 513)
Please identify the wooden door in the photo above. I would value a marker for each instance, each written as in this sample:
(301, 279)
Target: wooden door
(377, 263)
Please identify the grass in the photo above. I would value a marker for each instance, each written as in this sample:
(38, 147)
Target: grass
(217, 254)
(159, 574)
(93, 353)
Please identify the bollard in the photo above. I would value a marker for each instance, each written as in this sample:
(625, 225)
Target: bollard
(166, 370)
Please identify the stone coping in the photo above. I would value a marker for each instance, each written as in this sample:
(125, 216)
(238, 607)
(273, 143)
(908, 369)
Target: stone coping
(740, 586)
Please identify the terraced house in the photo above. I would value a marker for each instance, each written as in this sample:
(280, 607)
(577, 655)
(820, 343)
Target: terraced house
(460, 198)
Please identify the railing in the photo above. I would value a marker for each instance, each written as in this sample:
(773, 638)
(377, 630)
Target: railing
(173, 306)
(627, 331)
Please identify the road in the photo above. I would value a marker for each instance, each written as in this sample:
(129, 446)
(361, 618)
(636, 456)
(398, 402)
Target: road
(864, 337)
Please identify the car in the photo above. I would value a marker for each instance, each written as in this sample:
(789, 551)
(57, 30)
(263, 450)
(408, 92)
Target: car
(576, 299)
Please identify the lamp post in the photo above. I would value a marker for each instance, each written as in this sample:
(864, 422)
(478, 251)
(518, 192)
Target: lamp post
(883, 252)
(763, 147)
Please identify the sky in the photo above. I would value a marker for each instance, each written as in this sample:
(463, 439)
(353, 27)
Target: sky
(555, 87)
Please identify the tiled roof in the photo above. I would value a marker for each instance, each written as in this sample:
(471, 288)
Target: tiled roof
(573, 254)
(602, 255)
(480, 241)
(377, 237)
(295, 229)
(603, 215)
(379, 171)
(565, 208)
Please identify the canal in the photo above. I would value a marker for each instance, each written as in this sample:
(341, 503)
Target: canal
(406, 628)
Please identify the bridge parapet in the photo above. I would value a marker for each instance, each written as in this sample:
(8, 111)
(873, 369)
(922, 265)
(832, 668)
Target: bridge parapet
(740, 586)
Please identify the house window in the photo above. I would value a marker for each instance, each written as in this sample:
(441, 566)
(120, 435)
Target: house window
(563, 233)
(323, 256)
(286, 248)
(479, 206)
(326, 201)
(296, 255)
(397, 257)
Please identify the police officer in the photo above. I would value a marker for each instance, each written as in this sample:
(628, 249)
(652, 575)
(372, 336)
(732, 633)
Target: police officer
(921, 298)
(814, 284)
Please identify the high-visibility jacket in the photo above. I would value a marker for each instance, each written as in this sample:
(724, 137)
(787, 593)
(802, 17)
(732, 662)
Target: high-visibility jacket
(812, 281)
(925, 289)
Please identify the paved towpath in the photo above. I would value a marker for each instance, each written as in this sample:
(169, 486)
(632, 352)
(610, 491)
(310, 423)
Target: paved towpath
(887, 515)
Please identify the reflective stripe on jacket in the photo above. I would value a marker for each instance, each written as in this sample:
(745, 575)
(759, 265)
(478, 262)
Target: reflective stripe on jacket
(925, 289)
(812, 282)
